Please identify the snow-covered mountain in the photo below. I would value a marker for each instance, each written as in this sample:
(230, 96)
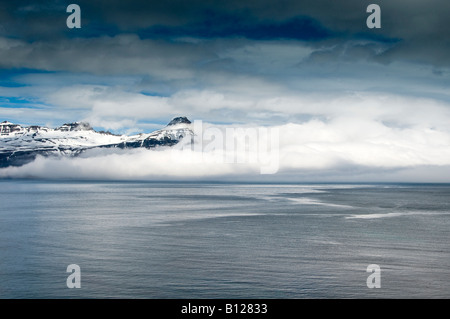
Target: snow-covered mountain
(20, 145)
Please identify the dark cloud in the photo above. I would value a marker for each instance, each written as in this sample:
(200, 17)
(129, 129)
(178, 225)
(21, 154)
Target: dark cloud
(417, 27)
(219, 25)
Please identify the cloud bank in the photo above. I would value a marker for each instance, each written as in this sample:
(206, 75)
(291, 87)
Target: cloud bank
(314, 150)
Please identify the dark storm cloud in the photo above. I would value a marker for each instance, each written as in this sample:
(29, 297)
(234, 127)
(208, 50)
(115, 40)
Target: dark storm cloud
(419, 27)
(220, 25)
(34, 21)
(188, 42)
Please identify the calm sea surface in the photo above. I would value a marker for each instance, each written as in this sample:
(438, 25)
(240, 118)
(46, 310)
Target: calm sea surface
(200, 240)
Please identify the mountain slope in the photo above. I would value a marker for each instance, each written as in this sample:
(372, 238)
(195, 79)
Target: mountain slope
(20, 145)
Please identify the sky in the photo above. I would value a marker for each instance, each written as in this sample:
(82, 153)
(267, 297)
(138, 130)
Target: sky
(350, 103)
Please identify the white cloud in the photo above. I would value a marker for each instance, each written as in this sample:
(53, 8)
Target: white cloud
(311, 149)
(108, 106)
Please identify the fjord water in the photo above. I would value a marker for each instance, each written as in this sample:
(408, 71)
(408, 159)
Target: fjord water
(218, 240)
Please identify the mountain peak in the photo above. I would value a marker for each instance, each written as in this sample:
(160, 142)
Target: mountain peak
(179, 120)
(7, 123)
(7, 127)
(76, 126)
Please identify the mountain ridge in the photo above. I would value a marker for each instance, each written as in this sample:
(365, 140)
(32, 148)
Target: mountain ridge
(20, 145)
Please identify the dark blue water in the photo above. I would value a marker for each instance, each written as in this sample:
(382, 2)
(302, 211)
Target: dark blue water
(194, 240)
